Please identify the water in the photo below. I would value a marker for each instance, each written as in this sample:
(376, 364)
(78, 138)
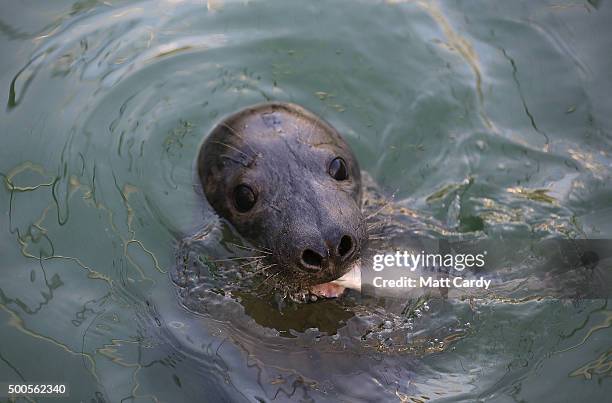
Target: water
(492, 118)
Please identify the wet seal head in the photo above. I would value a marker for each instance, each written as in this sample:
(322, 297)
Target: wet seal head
(289, 184)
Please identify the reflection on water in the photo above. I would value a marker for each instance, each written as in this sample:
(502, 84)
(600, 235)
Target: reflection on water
(492, 119)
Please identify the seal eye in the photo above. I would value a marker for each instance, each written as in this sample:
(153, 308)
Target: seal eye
(337, 169)
(244, 198)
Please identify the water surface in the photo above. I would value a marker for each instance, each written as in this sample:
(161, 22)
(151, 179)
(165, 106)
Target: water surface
(493, 118)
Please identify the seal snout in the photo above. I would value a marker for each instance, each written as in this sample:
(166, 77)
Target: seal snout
(329, 256)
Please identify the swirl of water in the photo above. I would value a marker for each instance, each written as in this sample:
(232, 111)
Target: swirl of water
(107, 104)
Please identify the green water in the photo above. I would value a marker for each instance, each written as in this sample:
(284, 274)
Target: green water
(492, 117)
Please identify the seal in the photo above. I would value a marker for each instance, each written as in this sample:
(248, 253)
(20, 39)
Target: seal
(290, 185)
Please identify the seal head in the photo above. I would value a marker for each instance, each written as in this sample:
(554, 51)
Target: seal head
(288, 182)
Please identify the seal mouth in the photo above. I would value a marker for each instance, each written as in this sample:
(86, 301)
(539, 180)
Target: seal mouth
(298, 283)
(325, 274)
(333, 272)
(333, 289)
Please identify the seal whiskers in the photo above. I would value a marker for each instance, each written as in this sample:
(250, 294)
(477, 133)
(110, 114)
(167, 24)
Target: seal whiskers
(262, 250)
(237, 258)
(232, 148)
(259, 271)
(234, 132)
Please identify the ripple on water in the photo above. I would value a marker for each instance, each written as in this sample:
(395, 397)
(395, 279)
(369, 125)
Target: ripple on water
(488, 118)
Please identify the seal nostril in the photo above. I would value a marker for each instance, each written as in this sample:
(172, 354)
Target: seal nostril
(312, 259)
(346, 246)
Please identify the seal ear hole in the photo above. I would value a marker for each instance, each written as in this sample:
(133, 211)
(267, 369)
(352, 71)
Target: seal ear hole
(244, 198)
(337, 169)
(312, 259)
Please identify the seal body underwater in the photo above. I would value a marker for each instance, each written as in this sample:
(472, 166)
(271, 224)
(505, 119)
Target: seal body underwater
(291, 186)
